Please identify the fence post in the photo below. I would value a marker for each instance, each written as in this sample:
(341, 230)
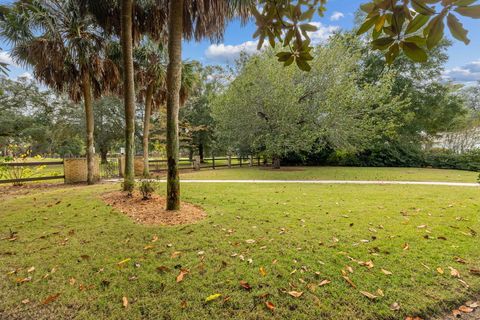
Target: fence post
(258, 161)
(240, 161)
(196, 163)
(250, 161)
(229, 161)
(213, 162)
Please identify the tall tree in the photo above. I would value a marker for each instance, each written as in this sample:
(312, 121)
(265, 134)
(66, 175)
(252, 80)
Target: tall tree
(66, 52)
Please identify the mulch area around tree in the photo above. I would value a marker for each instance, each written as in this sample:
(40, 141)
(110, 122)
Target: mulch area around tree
(153, 211)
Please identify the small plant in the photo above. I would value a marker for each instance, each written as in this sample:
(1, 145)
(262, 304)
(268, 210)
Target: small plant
(147, 188)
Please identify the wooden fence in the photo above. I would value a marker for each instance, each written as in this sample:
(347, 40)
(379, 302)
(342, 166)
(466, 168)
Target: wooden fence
(49, 174)
(55, 170)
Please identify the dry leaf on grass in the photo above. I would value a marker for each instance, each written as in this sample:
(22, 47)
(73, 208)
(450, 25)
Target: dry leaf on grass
(270, 306)
(295, 294)
(406, 246)
(125, 302)
(465, 309)
(245, 285)
(388, 273)
(324, 282)
(440, 270)
(350, 282)
(51, 298)
(369, 295)
(454, 272)
(181, 275)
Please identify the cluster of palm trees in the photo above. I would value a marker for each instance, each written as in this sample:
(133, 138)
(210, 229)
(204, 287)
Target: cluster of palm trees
(72, 48)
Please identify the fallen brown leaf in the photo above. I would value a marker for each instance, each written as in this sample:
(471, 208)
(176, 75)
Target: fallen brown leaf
(369, 295)
(350, 282)
(51, 298)
(465, 309)
(125, 302)
(295, 294)
(386, 272)
(245, 285)
(270, 306)
(440, 270)
(454, 272)
(181, 275)
(406, 246)
(324, 282)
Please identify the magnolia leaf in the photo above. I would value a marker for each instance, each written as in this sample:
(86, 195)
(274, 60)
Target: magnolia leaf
(422, 8)
(436, 29)
(417, 54)
(418, 22)
(367, 25)
(303, 65)
(472, 11)
(457, 29)
(382, 43)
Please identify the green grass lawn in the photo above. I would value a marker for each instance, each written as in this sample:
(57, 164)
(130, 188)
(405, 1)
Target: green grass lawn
(337, 173)
(303, 234)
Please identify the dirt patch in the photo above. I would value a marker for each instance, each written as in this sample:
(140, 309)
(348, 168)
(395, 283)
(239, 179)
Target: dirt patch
(153, 211)
(282, 169)
(9, 191)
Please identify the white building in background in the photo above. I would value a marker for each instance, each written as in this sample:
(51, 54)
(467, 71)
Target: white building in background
(459, 141)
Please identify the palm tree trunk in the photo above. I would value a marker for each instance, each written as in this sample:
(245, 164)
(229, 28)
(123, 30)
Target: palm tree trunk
(146, 128)
(128, 94)
(174, 76)
(87, 101)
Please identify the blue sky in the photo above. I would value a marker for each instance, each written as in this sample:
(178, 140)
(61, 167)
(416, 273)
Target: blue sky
(463, 65)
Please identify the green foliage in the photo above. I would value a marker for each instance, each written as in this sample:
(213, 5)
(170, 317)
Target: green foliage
(277, 111)
(147, 188)
(396, 28)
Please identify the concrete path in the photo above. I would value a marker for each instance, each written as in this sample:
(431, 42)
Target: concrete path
(425, 183)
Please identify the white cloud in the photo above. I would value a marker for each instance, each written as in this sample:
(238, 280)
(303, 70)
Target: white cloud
(323, 32)
(228, 53)
(336, 16)
(467, 73)
(222, 53)
(6, 58)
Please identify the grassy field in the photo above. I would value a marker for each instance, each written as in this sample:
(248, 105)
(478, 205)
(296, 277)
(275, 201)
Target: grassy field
(295, 235)
(337, 173)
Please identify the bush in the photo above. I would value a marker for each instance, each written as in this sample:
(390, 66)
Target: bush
(147, 188)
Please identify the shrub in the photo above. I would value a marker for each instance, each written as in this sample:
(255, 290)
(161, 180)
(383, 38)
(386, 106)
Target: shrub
(147, 188)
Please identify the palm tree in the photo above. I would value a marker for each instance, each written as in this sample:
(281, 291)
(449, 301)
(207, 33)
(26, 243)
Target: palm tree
(66, 53)
(192, 19)
(203, 18)
(130, 20)
(150, 60)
